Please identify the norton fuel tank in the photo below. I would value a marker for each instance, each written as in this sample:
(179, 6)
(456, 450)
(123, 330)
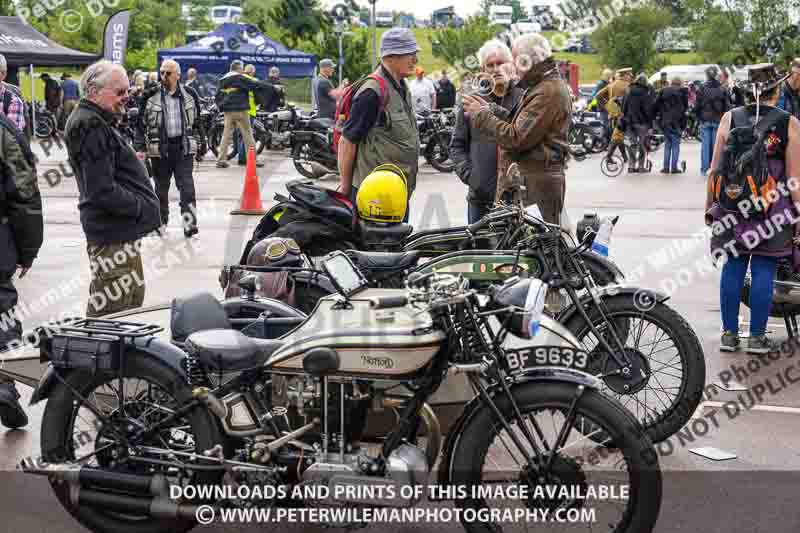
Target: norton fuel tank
(393, 343)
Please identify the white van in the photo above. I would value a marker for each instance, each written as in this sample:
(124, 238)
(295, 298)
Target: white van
(501, 15)
(222, 14)
(384, 19)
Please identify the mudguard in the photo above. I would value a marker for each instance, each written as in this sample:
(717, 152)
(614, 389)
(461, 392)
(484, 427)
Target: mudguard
(595, 263)
(612, 291)
(444, 476)
(163, 351)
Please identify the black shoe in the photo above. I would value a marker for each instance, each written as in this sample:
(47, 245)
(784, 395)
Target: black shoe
(677, 171)
(12, 415)
(190, 232)
(665, 171)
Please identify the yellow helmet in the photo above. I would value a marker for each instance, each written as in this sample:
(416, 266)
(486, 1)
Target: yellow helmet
(383, 195)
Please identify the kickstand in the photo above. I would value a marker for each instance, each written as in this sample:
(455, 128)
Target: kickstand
(791, 325)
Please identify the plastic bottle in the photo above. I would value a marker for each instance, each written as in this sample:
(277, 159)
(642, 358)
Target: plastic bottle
(603, 239)
(534, 304)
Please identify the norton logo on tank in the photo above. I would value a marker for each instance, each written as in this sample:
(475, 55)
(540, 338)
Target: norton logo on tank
(379, 362)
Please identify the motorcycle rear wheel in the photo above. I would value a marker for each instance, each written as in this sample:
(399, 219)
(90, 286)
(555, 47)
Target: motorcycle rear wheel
(60, 434)
(300, 158)
(485, 450)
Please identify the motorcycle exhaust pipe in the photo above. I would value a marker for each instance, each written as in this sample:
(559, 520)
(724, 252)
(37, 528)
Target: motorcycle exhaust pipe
(154, 485)
(158, 507)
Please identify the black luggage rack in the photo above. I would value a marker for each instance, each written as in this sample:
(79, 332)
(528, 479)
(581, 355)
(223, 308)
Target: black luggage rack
(93, 344)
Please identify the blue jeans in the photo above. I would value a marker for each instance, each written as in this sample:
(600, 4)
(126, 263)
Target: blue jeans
(762, 272)
(672, 148)
(709, 130)
(476, 211)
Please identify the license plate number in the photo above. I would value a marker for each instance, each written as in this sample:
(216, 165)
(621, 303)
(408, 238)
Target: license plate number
(539, 356)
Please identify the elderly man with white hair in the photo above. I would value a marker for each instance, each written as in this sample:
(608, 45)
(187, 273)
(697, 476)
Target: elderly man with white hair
(474, 155)
(168, 140)
(117, 203)
(535, 133)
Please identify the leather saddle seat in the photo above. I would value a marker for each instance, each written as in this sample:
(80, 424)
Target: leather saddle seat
(228, 350)
(384, 260)
(384, 232)
(320, 124)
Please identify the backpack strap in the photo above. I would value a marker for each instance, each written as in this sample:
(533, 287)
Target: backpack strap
(383, 85)
(7, 96)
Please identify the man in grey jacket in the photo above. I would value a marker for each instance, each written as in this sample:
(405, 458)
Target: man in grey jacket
(474, 154)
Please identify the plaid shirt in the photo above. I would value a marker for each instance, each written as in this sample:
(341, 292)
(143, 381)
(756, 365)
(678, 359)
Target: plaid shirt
(16, 110)
(172, 114)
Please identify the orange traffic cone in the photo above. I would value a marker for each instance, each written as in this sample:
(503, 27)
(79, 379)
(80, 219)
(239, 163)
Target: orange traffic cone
(251, 195)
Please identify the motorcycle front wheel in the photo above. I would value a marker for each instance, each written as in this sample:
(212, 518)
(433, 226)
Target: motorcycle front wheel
(490, 453)
(664, 384)
(437, 153)
(301, 157)
(71, 431)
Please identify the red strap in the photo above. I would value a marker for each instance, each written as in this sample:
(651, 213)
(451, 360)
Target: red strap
(384, 90)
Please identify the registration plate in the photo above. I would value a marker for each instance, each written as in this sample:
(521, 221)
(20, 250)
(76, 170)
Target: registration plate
(539, 356)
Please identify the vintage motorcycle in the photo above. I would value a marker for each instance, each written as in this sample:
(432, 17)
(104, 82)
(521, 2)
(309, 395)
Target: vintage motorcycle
(312, 149)
(435, 134)
(280, 125)
(649, 357)
(130, 417)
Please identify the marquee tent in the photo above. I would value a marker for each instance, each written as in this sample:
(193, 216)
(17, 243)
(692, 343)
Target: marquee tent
(22, 44)
(213, 53)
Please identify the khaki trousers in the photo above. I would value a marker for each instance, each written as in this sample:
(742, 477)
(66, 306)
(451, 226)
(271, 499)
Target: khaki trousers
(240, 120)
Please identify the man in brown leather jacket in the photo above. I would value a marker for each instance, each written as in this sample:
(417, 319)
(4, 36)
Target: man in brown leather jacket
(534, 133)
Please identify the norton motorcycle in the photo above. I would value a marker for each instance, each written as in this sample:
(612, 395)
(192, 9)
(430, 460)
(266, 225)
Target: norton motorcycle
(280, 125)
(129, 417)
(647, 355)
(312, 149)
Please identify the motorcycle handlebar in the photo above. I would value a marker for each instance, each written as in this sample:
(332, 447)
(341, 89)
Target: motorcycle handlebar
(389, 302)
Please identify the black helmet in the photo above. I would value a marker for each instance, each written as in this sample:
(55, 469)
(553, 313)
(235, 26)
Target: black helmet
(520, 296)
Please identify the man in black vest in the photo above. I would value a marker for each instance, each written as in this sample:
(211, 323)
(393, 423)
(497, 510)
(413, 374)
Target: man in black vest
(21, 232)
(712, 103)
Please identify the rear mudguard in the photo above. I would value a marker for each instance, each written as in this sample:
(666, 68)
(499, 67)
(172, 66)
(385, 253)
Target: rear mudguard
(163, 351)
(612, 291)
(542, 374)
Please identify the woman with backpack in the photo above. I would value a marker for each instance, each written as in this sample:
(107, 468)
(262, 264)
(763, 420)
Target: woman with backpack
(756, 155)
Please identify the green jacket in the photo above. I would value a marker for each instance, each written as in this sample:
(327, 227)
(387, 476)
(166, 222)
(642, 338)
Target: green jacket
(392, 140)
(20, 204)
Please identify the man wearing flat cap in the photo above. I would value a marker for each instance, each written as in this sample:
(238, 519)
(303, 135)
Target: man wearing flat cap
(381, 131)
(326, 94)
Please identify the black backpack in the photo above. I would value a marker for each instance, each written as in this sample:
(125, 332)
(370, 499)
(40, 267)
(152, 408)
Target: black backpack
(742, 181)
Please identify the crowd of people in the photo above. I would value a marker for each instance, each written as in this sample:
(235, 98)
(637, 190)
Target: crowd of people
(523, 118)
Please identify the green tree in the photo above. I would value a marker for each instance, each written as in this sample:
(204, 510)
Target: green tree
(458, 45)
(356, 48)
(302, 19)
(629, 40)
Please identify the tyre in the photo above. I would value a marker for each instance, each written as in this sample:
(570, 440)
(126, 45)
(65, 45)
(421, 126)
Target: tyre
(70, 432)
(669, 343)
(45, 126)
(301, 154)
(215, 140)
(487, 453)
(438, 153)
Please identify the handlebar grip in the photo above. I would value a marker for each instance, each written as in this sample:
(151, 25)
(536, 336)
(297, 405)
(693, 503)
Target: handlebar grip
(389, 302)
(479, 225)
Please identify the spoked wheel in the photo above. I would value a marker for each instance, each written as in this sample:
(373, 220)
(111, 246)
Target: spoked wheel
(438, 153)
(72, 431)
(492, 456)
(301, 157)
(612, 167)
(663, 385)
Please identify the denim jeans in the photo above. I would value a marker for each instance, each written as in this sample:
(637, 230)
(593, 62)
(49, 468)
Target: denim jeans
(476, 211)
(762, 272)
(709, 131)
(672, 148)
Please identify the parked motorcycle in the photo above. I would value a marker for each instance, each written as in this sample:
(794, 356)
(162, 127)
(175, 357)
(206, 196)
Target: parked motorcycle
(588, 132)
(639, 344)
(312, 149)
(435, 133)
(116, 438)
(280, 125)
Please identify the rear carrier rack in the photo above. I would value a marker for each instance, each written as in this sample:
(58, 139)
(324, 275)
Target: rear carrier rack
(91, 343)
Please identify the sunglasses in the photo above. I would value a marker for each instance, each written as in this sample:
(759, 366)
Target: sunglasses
(166, 73)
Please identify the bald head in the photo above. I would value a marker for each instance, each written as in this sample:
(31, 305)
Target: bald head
(170, 74)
